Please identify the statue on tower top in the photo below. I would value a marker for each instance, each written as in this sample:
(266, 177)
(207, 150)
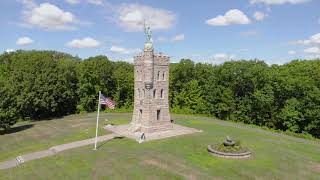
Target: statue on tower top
(148, 34)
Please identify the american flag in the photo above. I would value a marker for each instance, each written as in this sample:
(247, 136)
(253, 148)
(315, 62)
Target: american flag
(107, 101)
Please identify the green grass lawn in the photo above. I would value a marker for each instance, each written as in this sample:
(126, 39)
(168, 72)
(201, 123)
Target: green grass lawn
(276, 156)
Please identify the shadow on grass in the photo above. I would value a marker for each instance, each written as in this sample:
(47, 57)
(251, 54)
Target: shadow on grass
(117, 137)
(16, 129)
(46, 118)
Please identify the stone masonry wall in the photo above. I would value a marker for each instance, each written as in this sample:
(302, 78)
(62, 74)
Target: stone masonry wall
(151, 93)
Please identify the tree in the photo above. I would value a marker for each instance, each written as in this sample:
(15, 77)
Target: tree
(94, 75)
(220, 101)
(41, 82)
(291, 115)
(263, 106)
(180, 74)
(192, 96)
(123, 76)
(311, 111)
(8, 110)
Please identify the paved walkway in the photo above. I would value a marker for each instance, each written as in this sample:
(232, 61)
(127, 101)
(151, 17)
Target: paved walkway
(51, 151)
(176, 130)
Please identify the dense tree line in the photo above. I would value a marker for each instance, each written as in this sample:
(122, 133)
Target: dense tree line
(42, 84)
(45, 84)
(285, 97)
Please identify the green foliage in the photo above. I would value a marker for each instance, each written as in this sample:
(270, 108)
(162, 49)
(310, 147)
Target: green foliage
(190, 98)
(280, 97)
(41, 84)
(220, 101)
(237, 148)
(263, 106)
(8, 111)
(291, 115)
(123, 76)
(94, 75)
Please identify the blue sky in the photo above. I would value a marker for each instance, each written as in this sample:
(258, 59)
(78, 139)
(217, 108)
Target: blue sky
(212, 31)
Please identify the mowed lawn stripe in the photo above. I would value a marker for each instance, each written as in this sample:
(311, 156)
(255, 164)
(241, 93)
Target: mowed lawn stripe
(45, 134)
(181, 157)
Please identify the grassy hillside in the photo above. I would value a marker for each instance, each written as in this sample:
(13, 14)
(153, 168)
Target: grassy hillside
(276, 156)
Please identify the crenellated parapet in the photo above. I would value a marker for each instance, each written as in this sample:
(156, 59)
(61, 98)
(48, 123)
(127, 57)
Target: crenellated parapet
(161, 59)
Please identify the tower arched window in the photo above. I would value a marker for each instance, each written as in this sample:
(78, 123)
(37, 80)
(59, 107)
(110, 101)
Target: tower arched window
(163, 74)
(138, 77)
(154, 94)
(158, 77)
(161, 94)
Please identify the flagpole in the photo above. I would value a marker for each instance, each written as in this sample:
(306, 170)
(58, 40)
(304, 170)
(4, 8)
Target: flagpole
(95, 142)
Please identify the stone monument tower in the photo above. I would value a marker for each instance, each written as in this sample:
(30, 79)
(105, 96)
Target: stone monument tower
(151, 90)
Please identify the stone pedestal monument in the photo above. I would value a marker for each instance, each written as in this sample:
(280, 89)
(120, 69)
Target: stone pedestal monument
(151, 90)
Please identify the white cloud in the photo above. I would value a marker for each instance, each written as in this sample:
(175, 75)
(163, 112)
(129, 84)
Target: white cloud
(233, 16)
(278, 2)
(131, 17)
(9, 50)
(24, 41)
(87, 42)
(312, 50)
(48, 16)
(29, 3)
(73, 1)
(315, 39)
(162, 39)
(259, 16)
(96, 2)
(292, 52)
(122, 50)
(179, 37)
(249, 33)
(313, 56)
(303, 42)
(243, 50)
(222, 57)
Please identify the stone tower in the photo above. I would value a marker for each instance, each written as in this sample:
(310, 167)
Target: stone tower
(151, 91)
